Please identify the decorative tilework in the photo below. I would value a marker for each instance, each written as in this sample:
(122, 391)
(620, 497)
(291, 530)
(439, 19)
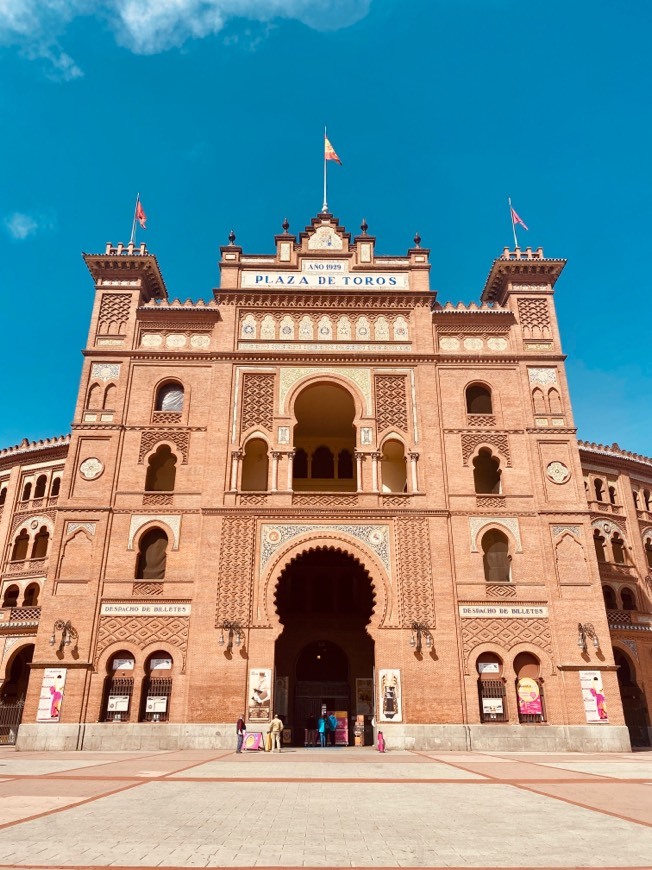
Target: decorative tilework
(375, 537)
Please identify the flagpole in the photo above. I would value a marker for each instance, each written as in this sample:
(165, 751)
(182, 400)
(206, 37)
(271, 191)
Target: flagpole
(133, 225)
(324, 207)
(511, 214)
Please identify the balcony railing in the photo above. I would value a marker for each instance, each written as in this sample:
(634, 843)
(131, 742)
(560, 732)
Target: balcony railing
(26, 566)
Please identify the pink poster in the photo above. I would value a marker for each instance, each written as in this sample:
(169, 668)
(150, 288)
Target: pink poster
(529, 697)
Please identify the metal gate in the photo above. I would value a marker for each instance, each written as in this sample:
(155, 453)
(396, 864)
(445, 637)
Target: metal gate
(10, 716)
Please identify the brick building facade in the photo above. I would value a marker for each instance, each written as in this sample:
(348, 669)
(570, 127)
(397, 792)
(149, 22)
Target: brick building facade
(324, 490)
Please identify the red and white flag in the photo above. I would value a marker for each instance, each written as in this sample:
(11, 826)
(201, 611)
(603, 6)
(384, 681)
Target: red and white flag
(329, 152)
(141, 217)
(516, 219)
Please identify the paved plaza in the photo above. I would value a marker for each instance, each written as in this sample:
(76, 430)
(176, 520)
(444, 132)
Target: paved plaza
(335, 807)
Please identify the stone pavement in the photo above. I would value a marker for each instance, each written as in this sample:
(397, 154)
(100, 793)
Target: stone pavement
(335, 807)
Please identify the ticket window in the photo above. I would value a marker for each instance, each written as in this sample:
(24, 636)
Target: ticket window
(491, 688)
(529, 689)
(119, 688)
(157, 688)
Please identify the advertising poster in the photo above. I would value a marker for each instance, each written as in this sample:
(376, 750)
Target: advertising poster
(364, 697)
(51, 697)
(390, 695)
(259, 703)
(253, 740)
(492, 706)
(118, 703)
(160, 664)
(529, 697)
(156, 704)
(595, 708)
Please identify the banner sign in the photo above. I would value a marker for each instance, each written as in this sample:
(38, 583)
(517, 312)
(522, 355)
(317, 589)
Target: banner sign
(504, 611)
(259, 703)
(595, 708)
(51, 697)
(320, 279)
(390, 696)
(129, 608)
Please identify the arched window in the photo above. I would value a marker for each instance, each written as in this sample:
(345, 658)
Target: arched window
(598, 485)
(586, 489)
(41, 541)
(170, 398)
(300, 464)
(486, 472)
(27, 492)
(152, 555)
(157, 688)
(538, 401)
(628, 598)
(496, 559)
(30, 598)
(648, 552)
(41, 483)
(255, 466)
(529, 688)
(609, 598)
(94, 397)
(618, 549)
(56, 487)
(393, 468)
(161, 470)
(109, 398)
(3, 495)
(598, 543)
(491, 688)
(118, 688)
(636, 499)
(478, 399)
(345, 465)
(21, 543)
(646, 499)
(554, 402)
(10, 598)
(612, 494)
(323, 463)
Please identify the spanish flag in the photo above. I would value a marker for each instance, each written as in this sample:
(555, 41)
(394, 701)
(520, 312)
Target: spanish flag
(329, 152)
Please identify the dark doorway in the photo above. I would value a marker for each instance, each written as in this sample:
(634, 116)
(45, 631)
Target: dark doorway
(12, 694)
(324, 601)
(633, 700)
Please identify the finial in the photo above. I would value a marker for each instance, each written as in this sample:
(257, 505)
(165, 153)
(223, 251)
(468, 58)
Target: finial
(286, 225)
(364, 227)
(231, 238)
(417, 240)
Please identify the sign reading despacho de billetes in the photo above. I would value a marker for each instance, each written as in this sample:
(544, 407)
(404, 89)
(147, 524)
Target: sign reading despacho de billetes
(503, 611)
(137, 608)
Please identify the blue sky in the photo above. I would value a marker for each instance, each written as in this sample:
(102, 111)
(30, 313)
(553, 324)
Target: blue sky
(439, 109)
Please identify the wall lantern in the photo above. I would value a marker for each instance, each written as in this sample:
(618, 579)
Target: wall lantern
(586, 630)
(420, 633)
(234, 634)
(68, 634)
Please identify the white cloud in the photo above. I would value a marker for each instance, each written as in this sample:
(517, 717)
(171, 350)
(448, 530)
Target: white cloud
(21, 226)
(152, 26)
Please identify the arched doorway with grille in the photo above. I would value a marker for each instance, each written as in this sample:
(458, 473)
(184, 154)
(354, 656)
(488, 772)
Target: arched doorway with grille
(633, 700)
(324, 657)
(12, 693)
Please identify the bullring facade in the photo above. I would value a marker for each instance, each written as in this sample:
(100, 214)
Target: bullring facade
(324, 490)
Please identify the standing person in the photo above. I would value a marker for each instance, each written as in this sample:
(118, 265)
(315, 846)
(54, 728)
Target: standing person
(321, 727)
(276, 729)
(240, 729)
(332, 727)
(311, 731)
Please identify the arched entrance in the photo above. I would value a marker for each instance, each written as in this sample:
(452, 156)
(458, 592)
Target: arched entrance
(633, 700)
(324, 655)
(12, 693)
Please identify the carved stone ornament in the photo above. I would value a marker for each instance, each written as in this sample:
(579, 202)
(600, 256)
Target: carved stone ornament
(476, 524)
(376, 537)
(105, 371)
(557, 472)
(91, 468)
(325, 239)
(542, 376)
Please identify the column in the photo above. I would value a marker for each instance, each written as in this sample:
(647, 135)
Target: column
(359, 459)
(236, 458)
(290, 456)
(413, 463)
(275, 458)
(375, 458)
